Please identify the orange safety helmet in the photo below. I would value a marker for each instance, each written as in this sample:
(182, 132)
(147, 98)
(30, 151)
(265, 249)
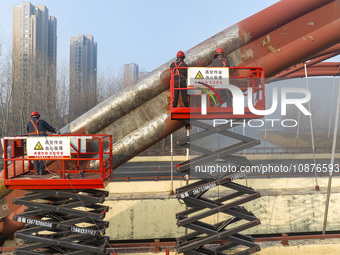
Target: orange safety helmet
(180, 54)
(35, 113)
(219, 51)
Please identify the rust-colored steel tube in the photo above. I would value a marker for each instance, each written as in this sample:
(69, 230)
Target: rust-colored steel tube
(238, 40)
(140, 129)
(300, 67)
(319, 69)
(157, 81)
(275, 16)
(334, 49)
(294, 42)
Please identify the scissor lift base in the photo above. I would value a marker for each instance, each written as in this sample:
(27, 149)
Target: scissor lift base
(63, 222)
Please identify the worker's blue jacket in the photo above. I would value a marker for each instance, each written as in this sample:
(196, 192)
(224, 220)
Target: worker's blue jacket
(38, 127)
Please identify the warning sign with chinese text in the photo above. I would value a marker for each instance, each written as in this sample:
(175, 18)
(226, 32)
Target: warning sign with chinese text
(217, 77)
(45, 147)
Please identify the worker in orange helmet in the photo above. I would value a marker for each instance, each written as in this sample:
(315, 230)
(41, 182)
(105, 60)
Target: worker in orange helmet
(222, 61)
(180, 78)
(38, 127)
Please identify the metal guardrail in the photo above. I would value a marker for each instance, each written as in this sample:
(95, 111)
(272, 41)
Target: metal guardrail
(251, 151)
(258, 175)
(161, 247)
(69, 161)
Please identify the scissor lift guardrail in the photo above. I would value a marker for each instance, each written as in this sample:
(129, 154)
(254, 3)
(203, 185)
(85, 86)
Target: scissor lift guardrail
(62, 172)
(243, 78)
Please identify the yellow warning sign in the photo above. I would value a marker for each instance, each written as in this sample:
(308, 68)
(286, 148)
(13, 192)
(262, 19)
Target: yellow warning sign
(199, 75)
(38, 146)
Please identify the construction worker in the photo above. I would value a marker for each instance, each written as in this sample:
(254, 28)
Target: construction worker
(38, 127)
(180, 79)
(222, 61)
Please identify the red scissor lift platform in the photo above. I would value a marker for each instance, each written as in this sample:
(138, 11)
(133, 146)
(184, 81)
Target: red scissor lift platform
(64, 213)
(205, 88)
(75, 171)
(241, 77)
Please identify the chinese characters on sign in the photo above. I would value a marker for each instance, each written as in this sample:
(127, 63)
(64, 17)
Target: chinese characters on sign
(217, 77)
(48, 147)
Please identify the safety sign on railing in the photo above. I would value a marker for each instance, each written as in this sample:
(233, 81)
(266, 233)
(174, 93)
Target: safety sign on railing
(217, 77)
(45, 147)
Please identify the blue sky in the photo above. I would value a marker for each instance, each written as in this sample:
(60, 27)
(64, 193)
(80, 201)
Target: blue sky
(148, 32)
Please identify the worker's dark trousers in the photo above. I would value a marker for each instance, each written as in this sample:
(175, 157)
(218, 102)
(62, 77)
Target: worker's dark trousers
(226, 97)
(39, 166)
(183, 94)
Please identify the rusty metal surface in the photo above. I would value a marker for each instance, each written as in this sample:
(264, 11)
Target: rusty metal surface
(143, 138)
(154, 246)
(141, 128)
(311, 65)
(334, 49)
(7, 226)
(320, 69)
(295, 41)
(138, 117)
(275, 16)
(3, 190)
(282, 238)
(322, 56)
(4, 209)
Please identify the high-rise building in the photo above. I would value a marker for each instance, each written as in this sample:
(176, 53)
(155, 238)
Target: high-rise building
(83, 75)
(34, 59)
(130, 73)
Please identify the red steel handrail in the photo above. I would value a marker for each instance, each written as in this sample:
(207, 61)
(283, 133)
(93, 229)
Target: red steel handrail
(243, 77)
(15, 176)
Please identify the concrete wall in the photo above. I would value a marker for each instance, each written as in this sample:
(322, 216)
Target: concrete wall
(145, 210)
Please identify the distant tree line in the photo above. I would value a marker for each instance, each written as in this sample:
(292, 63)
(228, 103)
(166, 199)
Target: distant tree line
(19, 97)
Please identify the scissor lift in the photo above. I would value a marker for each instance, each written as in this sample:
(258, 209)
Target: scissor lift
(207, 237)
(64, 213)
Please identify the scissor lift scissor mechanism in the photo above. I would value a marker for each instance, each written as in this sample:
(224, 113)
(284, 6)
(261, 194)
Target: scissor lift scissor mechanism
(214, 213)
